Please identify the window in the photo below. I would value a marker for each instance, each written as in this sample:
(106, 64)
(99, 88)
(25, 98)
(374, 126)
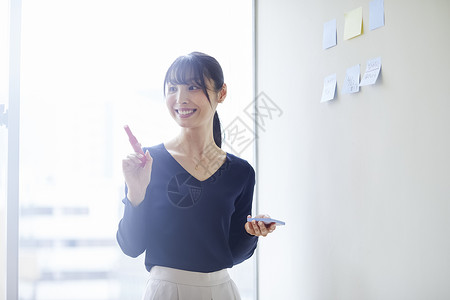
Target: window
(4, 63)
(87, 68)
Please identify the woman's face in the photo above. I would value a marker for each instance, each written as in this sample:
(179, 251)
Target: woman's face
(189, 106)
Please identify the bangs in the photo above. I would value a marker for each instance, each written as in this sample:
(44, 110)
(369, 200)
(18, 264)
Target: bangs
(185, 70)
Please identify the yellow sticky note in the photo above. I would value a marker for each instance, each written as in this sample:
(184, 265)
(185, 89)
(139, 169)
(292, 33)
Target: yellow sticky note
(353, 23)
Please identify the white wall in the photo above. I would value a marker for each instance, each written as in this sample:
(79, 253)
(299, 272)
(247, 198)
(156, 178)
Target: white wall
(362, 182)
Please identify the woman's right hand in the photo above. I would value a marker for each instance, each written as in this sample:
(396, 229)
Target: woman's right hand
(137, 177)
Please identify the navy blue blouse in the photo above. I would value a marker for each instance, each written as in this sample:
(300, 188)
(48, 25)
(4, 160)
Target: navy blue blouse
(188, 224)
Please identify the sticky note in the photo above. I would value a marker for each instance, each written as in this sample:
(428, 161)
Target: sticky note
(376, 14)
(373, 68)
(351, 81)
(329, 88)
(329, 34)
(353, 23)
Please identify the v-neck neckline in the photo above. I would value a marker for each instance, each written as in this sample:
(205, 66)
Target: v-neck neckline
(184, 169)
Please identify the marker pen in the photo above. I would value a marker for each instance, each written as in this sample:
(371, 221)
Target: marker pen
(136, 145)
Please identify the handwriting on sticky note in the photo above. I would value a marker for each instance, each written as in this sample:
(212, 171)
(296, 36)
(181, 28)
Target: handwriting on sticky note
(351, 81)
(373, 68)
(329, 88)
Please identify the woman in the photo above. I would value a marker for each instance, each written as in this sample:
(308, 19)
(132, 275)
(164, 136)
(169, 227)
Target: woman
(187, 207)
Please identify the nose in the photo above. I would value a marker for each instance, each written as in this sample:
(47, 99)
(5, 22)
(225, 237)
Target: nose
(181, 96)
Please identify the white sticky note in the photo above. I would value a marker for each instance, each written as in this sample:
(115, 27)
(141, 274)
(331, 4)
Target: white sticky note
(351, 81)
(329, 34)
(329, 88)
(376, 14)
(372, 71)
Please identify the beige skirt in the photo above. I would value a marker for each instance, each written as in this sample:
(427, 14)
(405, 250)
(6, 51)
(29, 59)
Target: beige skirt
(173, 284)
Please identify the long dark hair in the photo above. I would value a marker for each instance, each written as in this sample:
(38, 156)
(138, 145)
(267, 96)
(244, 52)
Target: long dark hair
(195, 67)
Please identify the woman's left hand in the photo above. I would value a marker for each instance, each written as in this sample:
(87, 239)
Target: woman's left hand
(259, 228)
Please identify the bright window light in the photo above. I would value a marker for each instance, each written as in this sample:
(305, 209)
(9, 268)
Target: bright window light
(4, 55)
(89, 67)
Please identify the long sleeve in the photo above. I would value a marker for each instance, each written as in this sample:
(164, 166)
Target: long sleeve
(131, 232)
(241, 243)
(188, 224)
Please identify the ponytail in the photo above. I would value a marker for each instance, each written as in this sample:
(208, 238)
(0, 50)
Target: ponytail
(217, 131)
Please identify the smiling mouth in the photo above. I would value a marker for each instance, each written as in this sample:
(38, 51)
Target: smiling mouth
(185, 112)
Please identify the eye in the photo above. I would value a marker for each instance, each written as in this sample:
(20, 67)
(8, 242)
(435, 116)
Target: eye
(193, 87)
(171, 89)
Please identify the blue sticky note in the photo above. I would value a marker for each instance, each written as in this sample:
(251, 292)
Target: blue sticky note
(329, 34)
(376, 14)
(329, 88)
(351, 82)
